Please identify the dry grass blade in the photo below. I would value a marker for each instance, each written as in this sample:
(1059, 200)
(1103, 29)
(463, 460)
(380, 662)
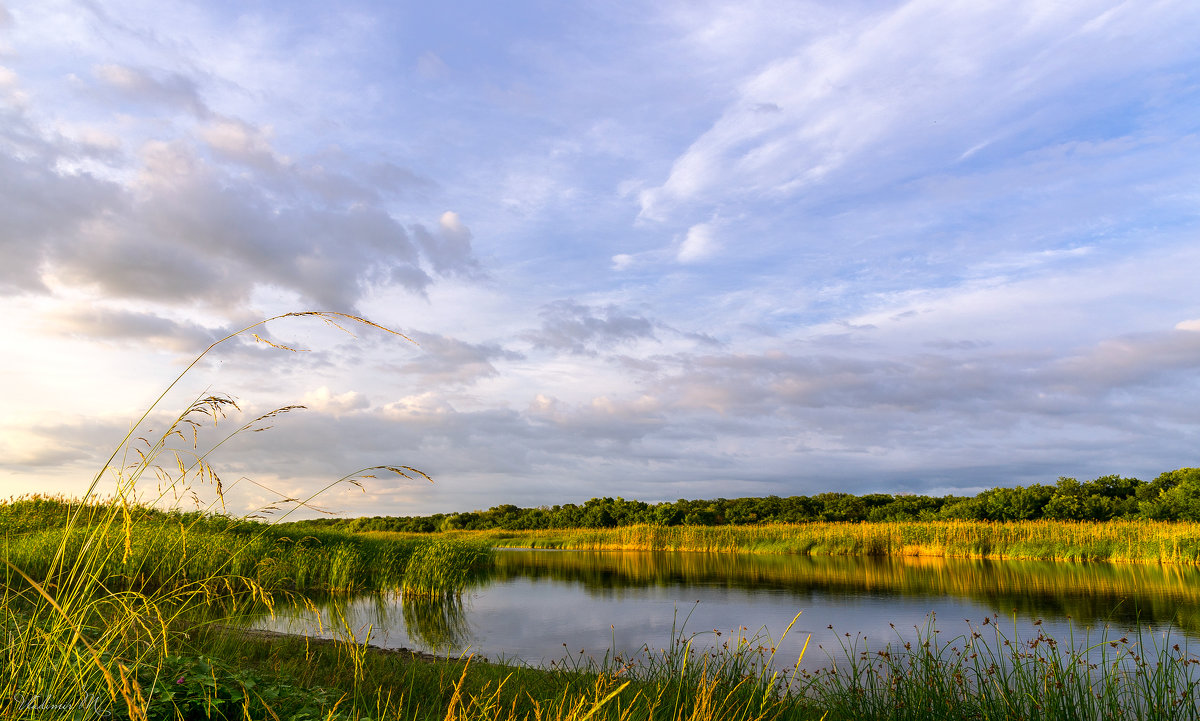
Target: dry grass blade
(405, 471)
(330, 318)
(111, 586)
(280, 346)
(270, 415)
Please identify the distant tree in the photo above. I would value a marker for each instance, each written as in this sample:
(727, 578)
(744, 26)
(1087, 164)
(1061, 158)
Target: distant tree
(876, 506)
(798, 509)
(841, 507)
(741, 511)
(1021, 503)
(908, 508)
(1177, 497)
(1071, 502)
(666, 514)
(1170, 496)
(598, 513)
(967, 509)
(701, 516)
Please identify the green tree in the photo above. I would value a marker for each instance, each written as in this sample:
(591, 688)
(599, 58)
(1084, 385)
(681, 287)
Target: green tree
(1176, 496)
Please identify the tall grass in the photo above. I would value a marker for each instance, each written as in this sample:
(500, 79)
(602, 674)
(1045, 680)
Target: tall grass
(162, 549)
(985, 674)
(1135, 541)
(100, 590)
(444, 565)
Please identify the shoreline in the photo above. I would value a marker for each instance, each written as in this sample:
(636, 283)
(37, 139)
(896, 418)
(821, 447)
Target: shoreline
(402, 651)
(1115, 542)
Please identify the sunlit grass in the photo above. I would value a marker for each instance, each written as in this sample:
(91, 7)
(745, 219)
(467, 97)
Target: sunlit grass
(440, 566)
(1134, 541)
(99, 591)
(986, 673)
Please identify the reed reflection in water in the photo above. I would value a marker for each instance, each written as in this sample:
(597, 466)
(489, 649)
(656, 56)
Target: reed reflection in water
(537, 606)
(1085, 592)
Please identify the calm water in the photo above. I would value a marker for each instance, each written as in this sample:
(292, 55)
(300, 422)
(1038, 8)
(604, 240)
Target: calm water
(538, 606)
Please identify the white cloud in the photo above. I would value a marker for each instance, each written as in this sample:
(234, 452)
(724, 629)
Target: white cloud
(11, 90)
(324, 400)
(242, 143)
(449, 250)
(571, 327)
(907, 90)
(442, 360)
(699, 244)
(170, 89)
(1193, 325)
(94, 321)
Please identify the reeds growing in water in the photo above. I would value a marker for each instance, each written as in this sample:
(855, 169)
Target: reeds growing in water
(1132, 541)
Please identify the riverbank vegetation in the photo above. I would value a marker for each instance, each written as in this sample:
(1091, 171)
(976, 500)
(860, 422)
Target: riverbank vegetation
(981, 674)
(106, 597)
(1171, 496)
(147, 548)
(1137, 541)
(125, 619)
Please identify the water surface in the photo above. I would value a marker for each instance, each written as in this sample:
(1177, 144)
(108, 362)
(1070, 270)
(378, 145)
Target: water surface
(540, 606)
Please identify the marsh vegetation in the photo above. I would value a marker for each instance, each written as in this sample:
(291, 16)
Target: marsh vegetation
(1122, 541)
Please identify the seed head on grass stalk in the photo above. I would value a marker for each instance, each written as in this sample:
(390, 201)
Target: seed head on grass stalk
(107, 602)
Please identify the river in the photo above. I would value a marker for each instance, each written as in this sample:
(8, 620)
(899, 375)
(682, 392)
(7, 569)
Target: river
(541, 607)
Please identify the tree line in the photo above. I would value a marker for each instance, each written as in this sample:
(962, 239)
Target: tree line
(1172, 496)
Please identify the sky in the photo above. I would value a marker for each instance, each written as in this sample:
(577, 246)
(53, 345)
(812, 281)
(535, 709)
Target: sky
(655, 250)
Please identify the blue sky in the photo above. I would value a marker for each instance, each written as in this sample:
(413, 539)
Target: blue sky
(655, 250)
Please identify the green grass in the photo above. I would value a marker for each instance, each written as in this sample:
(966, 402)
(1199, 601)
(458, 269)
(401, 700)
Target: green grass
(161, 549)
(444, 565)
(1136, 541)
(99, 591)
(679, 684)
(985, 674)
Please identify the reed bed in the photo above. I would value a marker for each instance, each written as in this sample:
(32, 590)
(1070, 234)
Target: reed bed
(160, 555)
(1132, 541)
(444, 566)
